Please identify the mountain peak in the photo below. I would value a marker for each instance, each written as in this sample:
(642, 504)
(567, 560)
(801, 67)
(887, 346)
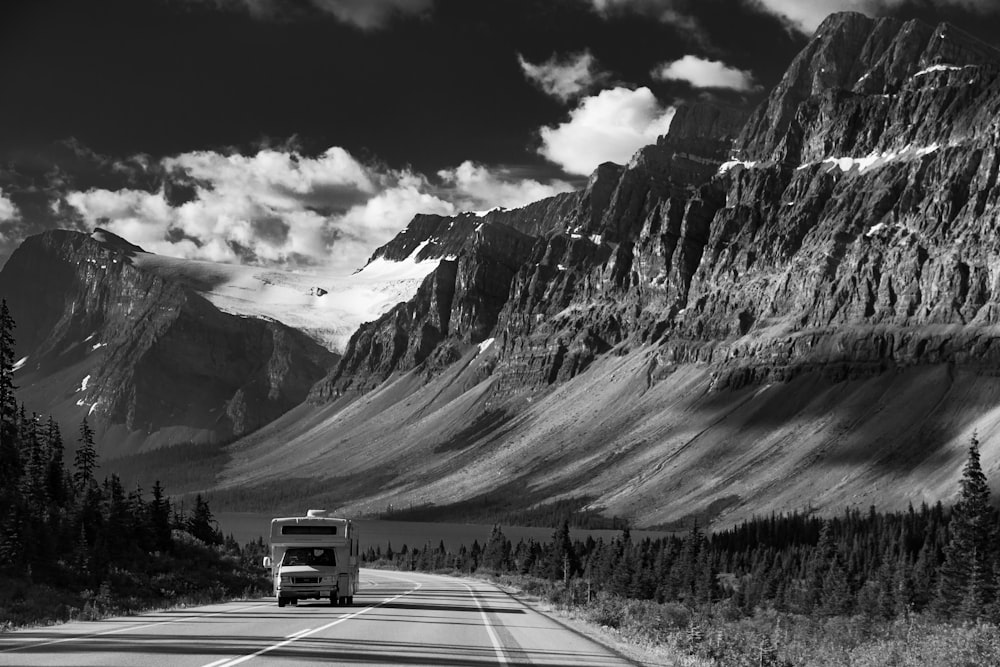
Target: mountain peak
(854, 54)
(112, 241)
(846, 20)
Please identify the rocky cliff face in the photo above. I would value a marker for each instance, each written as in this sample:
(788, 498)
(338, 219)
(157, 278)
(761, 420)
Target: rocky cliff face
(859, 236)
(523, 273)
(838, 241)
(853, 222)
(140, 354)
(458, 303)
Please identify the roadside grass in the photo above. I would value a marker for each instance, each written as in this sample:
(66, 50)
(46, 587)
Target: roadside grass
(24, 604)
(720, 635)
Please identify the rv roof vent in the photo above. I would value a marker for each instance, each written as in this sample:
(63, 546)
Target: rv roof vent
(316, 513)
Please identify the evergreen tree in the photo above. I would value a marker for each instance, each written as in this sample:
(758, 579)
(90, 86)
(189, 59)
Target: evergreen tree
(201, 523)
(159, 518)
(496, 553)
(966, 582)
(55, 476)
(10, 464)
(564, 563)
(34, 464)
(85, 460)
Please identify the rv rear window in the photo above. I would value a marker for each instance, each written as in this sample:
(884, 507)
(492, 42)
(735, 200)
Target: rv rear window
(308, 530)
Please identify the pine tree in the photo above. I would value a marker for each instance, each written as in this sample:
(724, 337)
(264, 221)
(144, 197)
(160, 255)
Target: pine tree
(33, 464)
(201, 523)
(159, 518)
(85, 460)
(564, 563)
(966, 583)
(685, 571)
(10, 463)
(496, 553)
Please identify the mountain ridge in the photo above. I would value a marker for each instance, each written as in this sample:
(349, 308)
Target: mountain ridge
(153, 361)
(794, 307)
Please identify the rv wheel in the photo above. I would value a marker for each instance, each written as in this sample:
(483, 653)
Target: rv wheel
(350, 600)
(281, 601)
(333, 600)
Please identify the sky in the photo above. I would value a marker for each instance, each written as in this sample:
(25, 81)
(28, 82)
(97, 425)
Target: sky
(309, 132)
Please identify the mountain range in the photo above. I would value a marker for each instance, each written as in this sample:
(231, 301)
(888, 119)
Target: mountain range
(794, 307)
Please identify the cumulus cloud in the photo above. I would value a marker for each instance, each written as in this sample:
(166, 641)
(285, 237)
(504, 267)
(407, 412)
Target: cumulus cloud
(8, 209)
(609, 126)
(269, 208)
(672, 12)
(703, 73)
(566, 78)
(282, 207)
(282, 179)
(806, 15)
(477, 187)
(367, 226)
(363, 14)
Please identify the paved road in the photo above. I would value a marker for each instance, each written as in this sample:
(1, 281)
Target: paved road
(397, 619)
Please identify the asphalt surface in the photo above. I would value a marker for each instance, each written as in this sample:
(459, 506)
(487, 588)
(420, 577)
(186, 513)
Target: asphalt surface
(397, 619)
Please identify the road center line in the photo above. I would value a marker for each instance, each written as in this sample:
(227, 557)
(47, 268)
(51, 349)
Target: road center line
(77, 638)
(306, 633)
(501, 658)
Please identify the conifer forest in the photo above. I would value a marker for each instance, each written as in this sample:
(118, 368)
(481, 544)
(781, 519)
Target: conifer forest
(75, 544)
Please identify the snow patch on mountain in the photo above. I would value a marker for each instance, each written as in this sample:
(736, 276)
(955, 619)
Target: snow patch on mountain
(726, 166)
(485, 345)
(326, 305)
(481, 214)
(93, 406)
(940, 68)
(874, 159)
(19, 364)
(83, 383)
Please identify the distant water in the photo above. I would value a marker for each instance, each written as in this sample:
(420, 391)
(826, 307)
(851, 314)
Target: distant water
(248, 526)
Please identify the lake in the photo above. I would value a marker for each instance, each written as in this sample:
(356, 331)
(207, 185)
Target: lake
(247, 526)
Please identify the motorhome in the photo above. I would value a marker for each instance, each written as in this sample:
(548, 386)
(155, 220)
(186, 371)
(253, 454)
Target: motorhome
(313, 557)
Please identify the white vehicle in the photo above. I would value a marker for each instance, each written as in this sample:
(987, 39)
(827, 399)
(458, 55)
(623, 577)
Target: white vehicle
(313, 557)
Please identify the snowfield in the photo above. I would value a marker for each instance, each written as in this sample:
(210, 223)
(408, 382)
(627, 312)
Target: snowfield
(325, 305)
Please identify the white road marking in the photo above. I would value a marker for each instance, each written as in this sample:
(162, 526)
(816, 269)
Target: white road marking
(217, 663)
(268, 649)
(501, 658)
(119, 630)
(294, 634)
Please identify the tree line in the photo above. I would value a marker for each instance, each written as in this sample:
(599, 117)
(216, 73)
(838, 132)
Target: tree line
(66, 529)
(881, 564)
